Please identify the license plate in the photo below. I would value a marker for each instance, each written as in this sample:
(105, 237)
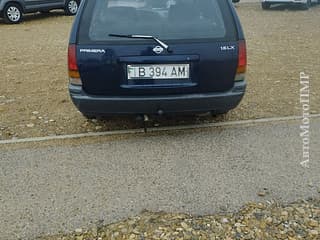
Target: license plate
(161, 71)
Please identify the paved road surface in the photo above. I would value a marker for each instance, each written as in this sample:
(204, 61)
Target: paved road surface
(44, 190)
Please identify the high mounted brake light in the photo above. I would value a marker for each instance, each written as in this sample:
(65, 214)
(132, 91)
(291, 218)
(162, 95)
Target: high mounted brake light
(242, 61)
(74, 74)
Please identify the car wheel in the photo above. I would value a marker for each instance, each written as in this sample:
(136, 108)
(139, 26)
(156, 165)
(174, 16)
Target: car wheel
(71, 7)
(306, 5)
(12, 13)
(265, 6)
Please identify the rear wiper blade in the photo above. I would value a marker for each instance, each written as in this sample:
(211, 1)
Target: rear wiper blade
(165, 46)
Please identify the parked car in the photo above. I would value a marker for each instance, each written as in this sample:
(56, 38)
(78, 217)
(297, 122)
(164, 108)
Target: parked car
(305, 4)
(13, 10)
(156, 57)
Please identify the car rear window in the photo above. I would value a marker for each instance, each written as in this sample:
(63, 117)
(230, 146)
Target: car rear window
(165, 19)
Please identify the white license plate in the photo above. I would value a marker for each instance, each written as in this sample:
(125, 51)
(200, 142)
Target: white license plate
(160, 71)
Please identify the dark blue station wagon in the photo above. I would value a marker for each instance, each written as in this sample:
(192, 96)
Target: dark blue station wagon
(156, 57)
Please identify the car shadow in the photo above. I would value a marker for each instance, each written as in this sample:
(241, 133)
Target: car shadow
(39, 16)
(172, 120)
(289, 7)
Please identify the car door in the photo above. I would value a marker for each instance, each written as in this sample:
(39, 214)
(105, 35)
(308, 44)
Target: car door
(32, 5)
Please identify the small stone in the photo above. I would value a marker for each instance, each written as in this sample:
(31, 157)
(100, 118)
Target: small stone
(35, 113)
(78, 231)
(30, 125)
(301, 211)
(261, 194)
(313, 223)
(284, 214)
(313, 232)
(98, 128)
(51, 120)
(33, 118)
(269, 220)
(132, 236)
(184, 225)
(238, 225)
(224, 220)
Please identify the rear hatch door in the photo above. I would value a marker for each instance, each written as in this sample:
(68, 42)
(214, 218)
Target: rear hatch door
(203, 53)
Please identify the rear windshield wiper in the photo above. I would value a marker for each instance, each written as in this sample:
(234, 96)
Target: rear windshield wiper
(165, 46)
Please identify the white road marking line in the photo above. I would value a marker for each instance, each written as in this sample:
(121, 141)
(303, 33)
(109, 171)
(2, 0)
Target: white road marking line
(153, 129)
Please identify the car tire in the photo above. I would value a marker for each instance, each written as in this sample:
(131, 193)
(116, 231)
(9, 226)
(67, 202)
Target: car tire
(89, 116)
(12, 13)
(306, 5)
(265, 6)
(71, 7)
(218, 112)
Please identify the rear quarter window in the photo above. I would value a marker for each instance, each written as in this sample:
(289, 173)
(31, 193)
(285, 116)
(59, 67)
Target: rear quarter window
(171, 20)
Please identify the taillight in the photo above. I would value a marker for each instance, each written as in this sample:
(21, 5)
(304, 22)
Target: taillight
(74, 74)
(242, 61)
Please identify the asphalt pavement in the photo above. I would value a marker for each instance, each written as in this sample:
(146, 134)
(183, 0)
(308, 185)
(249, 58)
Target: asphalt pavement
(44, 190)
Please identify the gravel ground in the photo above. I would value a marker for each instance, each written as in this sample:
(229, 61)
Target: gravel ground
(34, 99)
(254, 221)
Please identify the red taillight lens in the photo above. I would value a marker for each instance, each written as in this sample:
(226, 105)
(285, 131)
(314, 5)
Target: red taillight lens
(72, 58)
(242, 63)
(72, 62)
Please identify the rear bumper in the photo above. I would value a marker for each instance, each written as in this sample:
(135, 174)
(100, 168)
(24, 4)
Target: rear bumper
(187, 103)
